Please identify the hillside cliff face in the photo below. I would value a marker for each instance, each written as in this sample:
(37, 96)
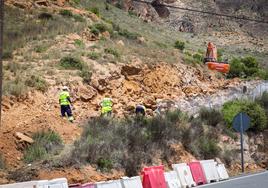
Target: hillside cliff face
(186, 21)
(121, 56)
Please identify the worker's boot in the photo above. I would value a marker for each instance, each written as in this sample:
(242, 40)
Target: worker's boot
(71, 119)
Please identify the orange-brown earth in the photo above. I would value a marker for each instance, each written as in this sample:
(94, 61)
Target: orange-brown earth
(128, 85)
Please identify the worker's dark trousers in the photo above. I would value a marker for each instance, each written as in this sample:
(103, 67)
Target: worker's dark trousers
(66, 109)
(140, 111)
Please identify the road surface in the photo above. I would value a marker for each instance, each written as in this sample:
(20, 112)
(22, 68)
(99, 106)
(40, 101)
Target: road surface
(259, 180)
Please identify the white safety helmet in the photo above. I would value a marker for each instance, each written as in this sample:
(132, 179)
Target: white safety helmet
(65, 88)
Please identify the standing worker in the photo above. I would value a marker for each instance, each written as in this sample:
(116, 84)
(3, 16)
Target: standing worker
(140, 110)
(65, 104)
(106, 106)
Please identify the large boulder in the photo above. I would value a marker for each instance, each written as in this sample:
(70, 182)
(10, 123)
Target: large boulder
(86, 93)
(130, 70)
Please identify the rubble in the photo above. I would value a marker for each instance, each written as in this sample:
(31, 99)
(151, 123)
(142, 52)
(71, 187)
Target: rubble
(23, 141)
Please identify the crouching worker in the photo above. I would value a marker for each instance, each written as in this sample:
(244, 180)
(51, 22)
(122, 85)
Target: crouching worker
(106, 106)
(65, 104)
(140, 110)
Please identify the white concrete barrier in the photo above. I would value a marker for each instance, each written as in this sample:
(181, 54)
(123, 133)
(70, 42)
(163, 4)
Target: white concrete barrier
(133, 182)
(222, 172)
(184, 173)
(109, 184)
(29, 184)
(210, 170)
(55, 183)
(172, 180)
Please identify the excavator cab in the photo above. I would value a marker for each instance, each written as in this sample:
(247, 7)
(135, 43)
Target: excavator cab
(211, 60)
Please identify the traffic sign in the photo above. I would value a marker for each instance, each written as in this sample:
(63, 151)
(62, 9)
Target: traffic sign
(241, 122)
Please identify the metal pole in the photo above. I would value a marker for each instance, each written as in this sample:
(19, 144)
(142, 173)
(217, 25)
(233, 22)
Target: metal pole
(1, 53)
(242, 144)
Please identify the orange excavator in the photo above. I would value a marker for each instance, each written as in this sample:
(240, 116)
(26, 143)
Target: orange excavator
(211, 60)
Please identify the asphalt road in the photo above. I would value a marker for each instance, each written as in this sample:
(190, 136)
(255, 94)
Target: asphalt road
(259, 180)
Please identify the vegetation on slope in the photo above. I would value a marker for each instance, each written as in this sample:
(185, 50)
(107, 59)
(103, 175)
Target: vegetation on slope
(45, 143)
(131, 142)
(247, 67)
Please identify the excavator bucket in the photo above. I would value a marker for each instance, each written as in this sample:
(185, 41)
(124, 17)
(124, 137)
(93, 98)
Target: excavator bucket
(219, 66)
(211, 60)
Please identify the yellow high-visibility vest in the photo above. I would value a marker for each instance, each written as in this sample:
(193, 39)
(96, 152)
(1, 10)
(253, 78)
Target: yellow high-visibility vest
(64, 98)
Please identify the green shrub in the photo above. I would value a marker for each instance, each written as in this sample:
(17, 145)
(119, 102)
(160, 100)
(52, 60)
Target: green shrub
(86, 75)
(66, 13)
(45, 16)
(263, 100)
(220, 54)
(104, 164)
(208, 147)
(79, 43)
(7, 54)
(198, 57)
(94, 30)
(45, 143)
(116, 27)
(132, 13)
(230, 109)
(71, 63)
(174, 115)
(250, 62)
(15, 87)
(236, 69)
(262, 73)
(254, 110)
(187, 53)
(94, 55)
(119, 4)
(105, 142)
(202, 144)
(35, 152)
(127, 34)
(179, 45)
(94, 10)
(245, 67)
(257, 115)
(37, 82)
(102, 27)
(78, 18)
(76, 1)
(112, 51)
(190, 60)
(40, 48)
(210, 116)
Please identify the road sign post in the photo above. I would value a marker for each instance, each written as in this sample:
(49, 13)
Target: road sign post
(242, 143)
(241, 123)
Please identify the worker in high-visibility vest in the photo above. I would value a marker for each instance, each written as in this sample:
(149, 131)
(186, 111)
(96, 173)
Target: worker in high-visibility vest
(140, 110)
(65, 104)
(106, 106)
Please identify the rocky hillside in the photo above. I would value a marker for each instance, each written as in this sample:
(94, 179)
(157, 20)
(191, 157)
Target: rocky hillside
(98, 49)
(236, 34)
(186, 21)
